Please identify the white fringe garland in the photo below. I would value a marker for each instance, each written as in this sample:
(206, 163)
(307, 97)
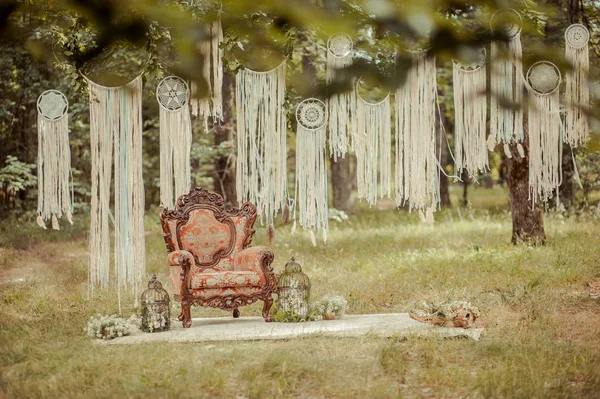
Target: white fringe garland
(261, 140)
(54, 170)
(373, 148)
(311, 179)
(211, 105)
(175, 148)
(506, 123)
(417, 178)
(116, 135)
(577, 95)
(341, 108)
(545, 145)
(470, 108)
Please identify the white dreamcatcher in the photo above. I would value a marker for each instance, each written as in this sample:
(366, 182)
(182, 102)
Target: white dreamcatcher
(545, 130)
(261, 141)
(577, 95)
(54, 159)
(172, 94)
(341, 106)
(373, 147)
(506, 123)
(311, 166)
(417, 170)
(211, 105)
(470, 108)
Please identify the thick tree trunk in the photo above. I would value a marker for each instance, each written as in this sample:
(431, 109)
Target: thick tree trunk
(443, 153)
(342, 183)
(225, 164)
(527, 221)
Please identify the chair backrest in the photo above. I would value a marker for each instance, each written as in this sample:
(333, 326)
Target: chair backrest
(201, 225)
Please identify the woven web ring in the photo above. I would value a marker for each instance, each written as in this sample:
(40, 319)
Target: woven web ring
(478, 61)
(505, 20)
(172, 93)
(311, 114)
(52, 105)
(577, 35)
(544, 77)
(340, 45)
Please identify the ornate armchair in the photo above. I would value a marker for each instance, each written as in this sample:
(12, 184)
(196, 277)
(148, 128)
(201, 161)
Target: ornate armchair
(209, 257)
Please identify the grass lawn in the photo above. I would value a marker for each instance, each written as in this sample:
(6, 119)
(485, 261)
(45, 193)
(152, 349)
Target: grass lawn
(542, 335)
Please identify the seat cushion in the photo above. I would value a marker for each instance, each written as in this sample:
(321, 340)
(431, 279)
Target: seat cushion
(227, 279)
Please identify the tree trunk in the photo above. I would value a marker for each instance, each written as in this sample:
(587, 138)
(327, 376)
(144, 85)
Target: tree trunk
(342, 183)
(443, 153)
(466, 181)
(527, 221)
(225, 164)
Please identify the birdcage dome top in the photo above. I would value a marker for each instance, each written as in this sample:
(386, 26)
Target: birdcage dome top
(293, 277)
(155, 292)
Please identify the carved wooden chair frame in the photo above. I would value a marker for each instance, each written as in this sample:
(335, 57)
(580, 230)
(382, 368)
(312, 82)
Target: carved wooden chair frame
(200, 198)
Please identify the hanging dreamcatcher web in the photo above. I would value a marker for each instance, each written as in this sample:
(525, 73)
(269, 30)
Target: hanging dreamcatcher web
(52, 105)
(577, 35)
(507, 21)
(340, 45)
(311, 114)
(172, 93)
(544, 77)
(477, 61)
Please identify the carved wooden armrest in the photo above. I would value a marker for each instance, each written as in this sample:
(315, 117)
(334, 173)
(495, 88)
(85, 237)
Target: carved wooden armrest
(180, 258)
(256, 259)
(185, 260)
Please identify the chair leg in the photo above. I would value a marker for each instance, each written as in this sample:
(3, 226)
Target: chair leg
(186, 313)
(266, 308)
(236, 313)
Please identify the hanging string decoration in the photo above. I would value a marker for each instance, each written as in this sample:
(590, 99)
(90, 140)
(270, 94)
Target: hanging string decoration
(175, 139)
(506, 122)
(545, 142)
(116, 136)
(577, 95)
(311, 165)
(470, 112)
(54, 159)
(417, 178)
(373, 148)
(261, 140)
(341, 106)
(211, 105)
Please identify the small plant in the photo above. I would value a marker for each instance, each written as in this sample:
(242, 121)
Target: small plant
(109, 327)
(331, 305)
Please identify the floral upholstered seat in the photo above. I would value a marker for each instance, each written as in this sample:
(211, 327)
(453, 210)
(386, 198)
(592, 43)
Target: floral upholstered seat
(209, 258)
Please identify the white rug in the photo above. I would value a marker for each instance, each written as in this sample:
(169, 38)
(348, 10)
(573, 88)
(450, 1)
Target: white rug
(255, 328)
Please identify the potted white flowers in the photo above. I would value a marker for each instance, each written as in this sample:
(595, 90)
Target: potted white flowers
(109, 327)
(331, 306)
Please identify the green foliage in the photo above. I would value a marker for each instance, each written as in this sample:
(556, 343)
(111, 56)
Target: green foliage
(16, 176)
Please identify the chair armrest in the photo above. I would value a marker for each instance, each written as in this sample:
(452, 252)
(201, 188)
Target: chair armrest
(257, 259)
(180, 258)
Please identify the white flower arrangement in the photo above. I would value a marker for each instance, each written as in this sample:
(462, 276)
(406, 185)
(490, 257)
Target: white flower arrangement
(109, 327)
(335, 304)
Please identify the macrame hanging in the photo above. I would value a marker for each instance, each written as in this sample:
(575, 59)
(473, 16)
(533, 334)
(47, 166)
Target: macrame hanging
(311, 166)
(116, 136)
(545, 130)
(506, 122)
(373, 148)
(577, 95)
(54, 159)
(261, 141)
(470, 112)
(175, 139)
(211, 105)
(341, 106)
(417, 177)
